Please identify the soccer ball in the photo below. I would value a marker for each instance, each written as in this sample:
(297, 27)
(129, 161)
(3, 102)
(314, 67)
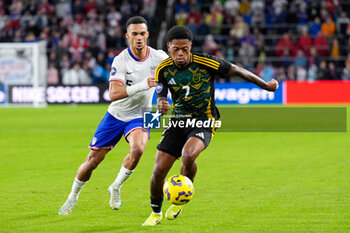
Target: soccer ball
(178, 190)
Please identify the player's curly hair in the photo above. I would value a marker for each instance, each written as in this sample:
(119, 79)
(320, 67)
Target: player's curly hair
(136, 20)
(179, 32)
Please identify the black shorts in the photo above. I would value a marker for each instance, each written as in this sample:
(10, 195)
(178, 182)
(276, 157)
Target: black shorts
(174, 138)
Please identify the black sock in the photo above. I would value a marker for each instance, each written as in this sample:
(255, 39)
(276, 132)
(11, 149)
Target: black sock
(156, 205)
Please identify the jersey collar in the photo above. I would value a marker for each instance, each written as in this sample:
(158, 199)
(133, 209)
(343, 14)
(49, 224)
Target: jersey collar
(139, 60)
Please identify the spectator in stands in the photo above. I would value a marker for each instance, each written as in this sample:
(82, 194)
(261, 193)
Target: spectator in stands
(150, 8)
(346, 72)
(281, 20)
(347, 60)
(192, 25)
(257, 5)
(181, 17)
(215, 18)
(203, 28)
(3, 19)
(210, 46)
(259, 39)
(335, 50)
(328, 27)
(31, 7)
(284, 43)
(15, 9)
(72, 76)
(286, 59)
(270, 17)
(182, 6)
(78, 8)
(280, 75)
(246, 55)
(312, 73)
(291, 72)
(321, 44)
(62, 8)
(46, 8)
(342, 22)
(322, 72)
(26, 20)
(41, 20)
(315, 27)
(292, 18)
(348, 31)
(231, 9)
(239, 28)
(52, 75)
(314, 58)
(113, 17)
(301, 73)
(300, 59)
(244, 7)
(17, 37)
(248, 38)
(258, 69)
(268, 73)
(347, 47)
(324, 12)
(258, 16)
(332, 71)
(30, 37)
(302, 17)
(64, 64)
(305, 42)
(195, 12)
(313, 10)
(99, 74)
(90, 6)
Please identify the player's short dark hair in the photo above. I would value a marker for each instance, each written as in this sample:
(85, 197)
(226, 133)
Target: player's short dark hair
(136, 20)
(179, 32)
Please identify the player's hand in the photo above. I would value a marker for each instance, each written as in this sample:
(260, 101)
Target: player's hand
(272, 85)
(163, 106)
(151, 82)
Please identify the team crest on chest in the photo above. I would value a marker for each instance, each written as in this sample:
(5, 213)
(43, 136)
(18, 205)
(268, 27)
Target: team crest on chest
(196, 77)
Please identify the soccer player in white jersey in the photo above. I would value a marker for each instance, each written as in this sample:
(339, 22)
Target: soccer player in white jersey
(131, 89)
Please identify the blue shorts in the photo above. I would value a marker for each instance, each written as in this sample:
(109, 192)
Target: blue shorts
(110, 130)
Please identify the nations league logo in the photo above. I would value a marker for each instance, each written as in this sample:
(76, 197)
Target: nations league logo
(151, 120)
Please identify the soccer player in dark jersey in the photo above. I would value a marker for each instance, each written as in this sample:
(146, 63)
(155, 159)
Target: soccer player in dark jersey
(190, 79)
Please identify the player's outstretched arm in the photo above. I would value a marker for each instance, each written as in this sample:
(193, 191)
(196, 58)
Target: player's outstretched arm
(117, 91)
(250, 77)
(163, 105)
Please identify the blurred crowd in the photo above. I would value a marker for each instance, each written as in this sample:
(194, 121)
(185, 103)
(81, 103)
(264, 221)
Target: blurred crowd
(83, 36)
(285, 40)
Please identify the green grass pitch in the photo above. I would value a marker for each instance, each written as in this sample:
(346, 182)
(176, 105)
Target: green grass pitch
(246, 182)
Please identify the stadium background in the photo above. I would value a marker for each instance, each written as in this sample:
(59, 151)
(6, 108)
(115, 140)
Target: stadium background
(286, 40)
(246, 182)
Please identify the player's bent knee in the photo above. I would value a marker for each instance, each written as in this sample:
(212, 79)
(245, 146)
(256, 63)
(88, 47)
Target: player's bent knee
(137, 150)
(188, 158)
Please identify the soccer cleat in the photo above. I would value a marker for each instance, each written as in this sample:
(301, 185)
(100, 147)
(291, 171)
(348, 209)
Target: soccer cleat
(114, 201)
(173, 211)
(68, 206)
(153, 219)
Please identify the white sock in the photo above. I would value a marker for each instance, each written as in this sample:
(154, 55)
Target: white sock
(123, 175)
(76, 188)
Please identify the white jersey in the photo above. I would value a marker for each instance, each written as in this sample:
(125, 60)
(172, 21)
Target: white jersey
(129, 70)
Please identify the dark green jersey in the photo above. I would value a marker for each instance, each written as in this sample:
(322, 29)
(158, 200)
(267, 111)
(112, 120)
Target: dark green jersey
(192, 88)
